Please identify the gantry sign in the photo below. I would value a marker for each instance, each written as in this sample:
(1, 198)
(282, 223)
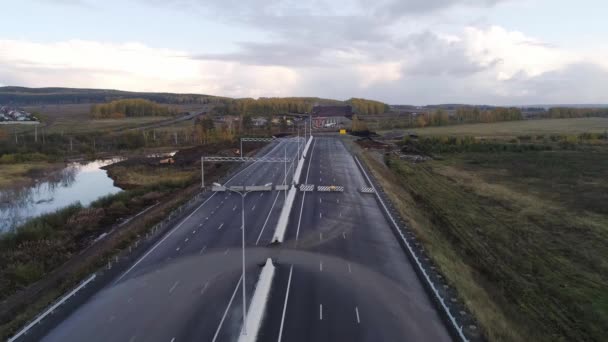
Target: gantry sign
(240, 160)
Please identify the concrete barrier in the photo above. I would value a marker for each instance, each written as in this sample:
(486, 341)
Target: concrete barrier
(257, 307)
(307, 147)
(279, 233)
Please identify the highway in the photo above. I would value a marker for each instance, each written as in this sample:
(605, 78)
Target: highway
(341, 274)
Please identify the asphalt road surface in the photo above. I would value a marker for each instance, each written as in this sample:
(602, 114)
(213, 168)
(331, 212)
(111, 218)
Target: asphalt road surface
(341, 274)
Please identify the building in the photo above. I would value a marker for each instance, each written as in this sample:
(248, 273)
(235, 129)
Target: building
(329, 111)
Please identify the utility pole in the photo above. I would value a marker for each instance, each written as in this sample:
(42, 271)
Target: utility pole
(71, 146)
(175, 136)
(36, 133)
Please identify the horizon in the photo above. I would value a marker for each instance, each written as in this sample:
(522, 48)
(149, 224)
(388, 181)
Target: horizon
(545, 105)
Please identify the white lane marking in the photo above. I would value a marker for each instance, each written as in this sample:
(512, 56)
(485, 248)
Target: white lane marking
(186, 240)
(320, 312)
(340, 214)
(174, 286)
(177, 249)
(233, 209)
(320, 180)
(320, 200)
(226, 251)
(173, 339)
(357, 312)
(202, 250)
(344, 235)
(206, 218)
(252, 208)
(212, 211)
(261, 194)
(220, 227)
(217, 207)
(200, 225)
(348, 264)
(320, 215)
(337, 201)
(321, 266)
(194, 231)
(219, 327)
(204, 287)
(285, 304)
(267, 217)
(186, 219)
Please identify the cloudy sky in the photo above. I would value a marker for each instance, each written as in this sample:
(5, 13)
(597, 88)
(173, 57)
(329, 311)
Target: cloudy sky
(398, 51)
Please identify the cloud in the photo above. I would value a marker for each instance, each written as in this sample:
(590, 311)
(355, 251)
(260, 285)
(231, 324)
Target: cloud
(134, 66)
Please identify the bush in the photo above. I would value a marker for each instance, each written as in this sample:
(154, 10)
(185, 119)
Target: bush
(25, 273)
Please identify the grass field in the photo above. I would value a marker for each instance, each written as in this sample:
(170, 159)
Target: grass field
(23, 173)
(523, 235)
(524, 127)
(76, 118)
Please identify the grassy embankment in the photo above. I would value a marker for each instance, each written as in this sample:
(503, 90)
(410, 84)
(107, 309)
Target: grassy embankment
(523, 235)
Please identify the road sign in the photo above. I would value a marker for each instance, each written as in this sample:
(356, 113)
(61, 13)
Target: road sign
(342, 131)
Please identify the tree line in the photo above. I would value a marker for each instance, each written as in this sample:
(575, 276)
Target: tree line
(462, 115)
(129, 108)
(368, 107)
(569, 112)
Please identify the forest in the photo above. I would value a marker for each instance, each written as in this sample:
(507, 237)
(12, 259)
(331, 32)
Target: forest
(129, 108)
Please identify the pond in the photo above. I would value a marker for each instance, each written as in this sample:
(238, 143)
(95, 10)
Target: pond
(77, 182)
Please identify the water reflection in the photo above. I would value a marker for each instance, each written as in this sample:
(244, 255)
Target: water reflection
(77, 182)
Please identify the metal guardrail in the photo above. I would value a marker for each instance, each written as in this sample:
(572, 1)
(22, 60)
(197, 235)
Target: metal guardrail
(52, 308)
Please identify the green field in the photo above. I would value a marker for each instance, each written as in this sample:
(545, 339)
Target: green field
(76, 118)
(524, 127)
(522, 234)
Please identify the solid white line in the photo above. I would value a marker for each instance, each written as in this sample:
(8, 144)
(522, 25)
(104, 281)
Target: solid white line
(163, 239)
(357, 312)
(219, 327)
(173, 287)
(320, 312)
(267, 217)
(285, 304)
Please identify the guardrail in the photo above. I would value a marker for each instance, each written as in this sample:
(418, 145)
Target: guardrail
(52, 308)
